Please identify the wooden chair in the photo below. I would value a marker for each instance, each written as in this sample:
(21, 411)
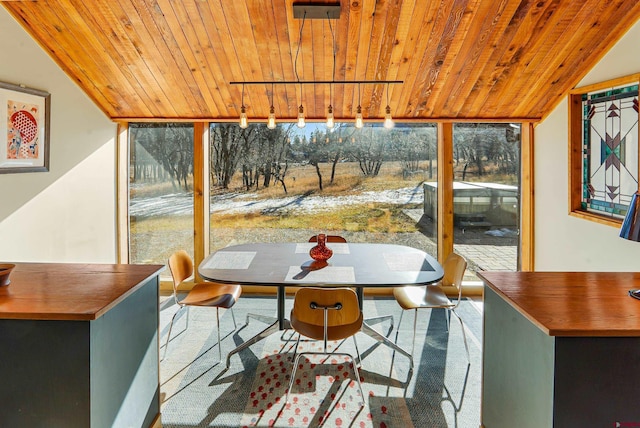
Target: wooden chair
(370, 321)
(330, 238)
(326, 314)
(432, 296)
(204, 294)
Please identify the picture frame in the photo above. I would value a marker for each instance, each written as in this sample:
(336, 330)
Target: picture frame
(24, 129)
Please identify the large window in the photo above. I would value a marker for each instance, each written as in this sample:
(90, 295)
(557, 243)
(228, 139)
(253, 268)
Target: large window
(160, 191)
(288, 184)
(486, 194)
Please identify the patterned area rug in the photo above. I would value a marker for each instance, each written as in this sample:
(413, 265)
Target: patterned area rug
(325, 391)
(443, 390)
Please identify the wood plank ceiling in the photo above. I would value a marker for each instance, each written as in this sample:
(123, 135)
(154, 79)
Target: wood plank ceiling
(459, 59)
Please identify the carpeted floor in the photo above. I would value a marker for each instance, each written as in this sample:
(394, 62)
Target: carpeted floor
(442, 391)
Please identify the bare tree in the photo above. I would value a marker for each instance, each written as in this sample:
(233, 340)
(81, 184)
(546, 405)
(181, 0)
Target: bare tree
(265, 154)
(317, 153)
(369, 150)
(479, 144)
(170, 146)
(226, 150)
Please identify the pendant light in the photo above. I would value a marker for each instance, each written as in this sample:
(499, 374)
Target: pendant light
(271, 121)
(243, 113)
(359, 121)
(331, 13)
(301, 123)
(330, 122)
(388, 121)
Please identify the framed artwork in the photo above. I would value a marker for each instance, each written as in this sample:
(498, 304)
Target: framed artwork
(24, 129)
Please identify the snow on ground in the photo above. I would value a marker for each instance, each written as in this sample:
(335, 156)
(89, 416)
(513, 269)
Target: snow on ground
(241, 203)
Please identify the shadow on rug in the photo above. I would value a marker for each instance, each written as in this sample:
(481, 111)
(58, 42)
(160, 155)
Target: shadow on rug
(442, 391)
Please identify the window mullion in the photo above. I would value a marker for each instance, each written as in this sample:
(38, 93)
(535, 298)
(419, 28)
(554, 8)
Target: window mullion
(445, 190)
(200, 193)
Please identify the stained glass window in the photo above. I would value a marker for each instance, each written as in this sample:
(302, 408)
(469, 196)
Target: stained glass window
(610, 150)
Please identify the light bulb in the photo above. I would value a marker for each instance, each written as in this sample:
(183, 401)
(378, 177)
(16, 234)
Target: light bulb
(330, 122)
(271, 121)
(243, 118)
(301, 123)
(359, 122)
(388, 121)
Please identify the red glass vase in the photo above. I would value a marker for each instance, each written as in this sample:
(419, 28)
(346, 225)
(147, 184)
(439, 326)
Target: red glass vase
(321, 252)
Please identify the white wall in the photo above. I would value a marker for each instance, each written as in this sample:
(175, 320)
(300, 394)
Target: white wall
(568, 243)
(68, 213)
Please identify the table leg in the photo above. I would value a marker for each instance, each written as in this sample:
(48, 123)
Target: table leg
(360, 294)
(280, 324)
(368, 330)
(378, 320)
(280, 298)
(262, 318)
(258, 337)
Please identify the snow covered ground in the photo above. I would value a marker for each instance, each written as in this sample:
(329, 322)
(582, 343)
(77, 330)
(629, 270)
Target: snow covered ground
(485, 249)
(242, 203)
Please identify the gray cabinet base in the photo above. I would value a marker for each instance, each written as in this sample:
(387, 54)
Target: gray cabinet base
(534, 380)
(99, 373)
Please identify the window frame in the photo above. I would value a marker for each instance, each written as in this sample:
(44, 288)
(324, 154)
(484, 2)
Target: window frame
(445, 156)
(576, 148)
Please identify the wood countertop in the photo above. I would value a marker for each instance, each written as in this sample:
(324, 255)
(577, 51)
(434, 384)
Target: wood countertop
(572, 303)
(64, 291)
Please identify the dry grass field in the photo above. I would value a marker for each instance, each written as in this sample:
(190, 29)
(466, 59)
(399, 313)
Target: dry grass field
(373, 221)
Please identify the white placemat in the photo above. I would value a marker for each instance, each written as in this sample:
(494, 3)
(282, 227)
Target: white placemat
(329, 274)
(230, 260)
(404, 262)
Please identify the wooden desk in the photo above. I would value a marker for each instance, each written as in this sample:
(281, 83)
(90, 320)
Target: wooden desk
(79, 346)
(560, 349)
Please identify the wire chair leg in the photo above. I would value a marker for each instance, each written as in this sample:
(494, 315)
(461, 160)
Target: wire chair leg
(293, 372)
(218, 328)
(357, 374)
(166, 345)
(287, 339)
(235, 326)
(464, 335)
(295, 349)
(355, 342)
(415, 325)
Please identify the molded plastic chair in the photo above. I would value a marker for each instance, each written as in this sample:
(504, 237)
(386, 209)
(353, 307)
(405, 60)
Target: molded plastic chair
(432, 296)
(326, 314)
(370, 321)
(330, 238)
(207, 294)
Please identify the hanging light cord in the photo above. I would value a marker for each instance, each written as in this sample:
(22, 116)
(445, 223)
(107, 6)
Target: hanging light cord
(300, 82)
(333, 47)
(295, 65)
(387, 95)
